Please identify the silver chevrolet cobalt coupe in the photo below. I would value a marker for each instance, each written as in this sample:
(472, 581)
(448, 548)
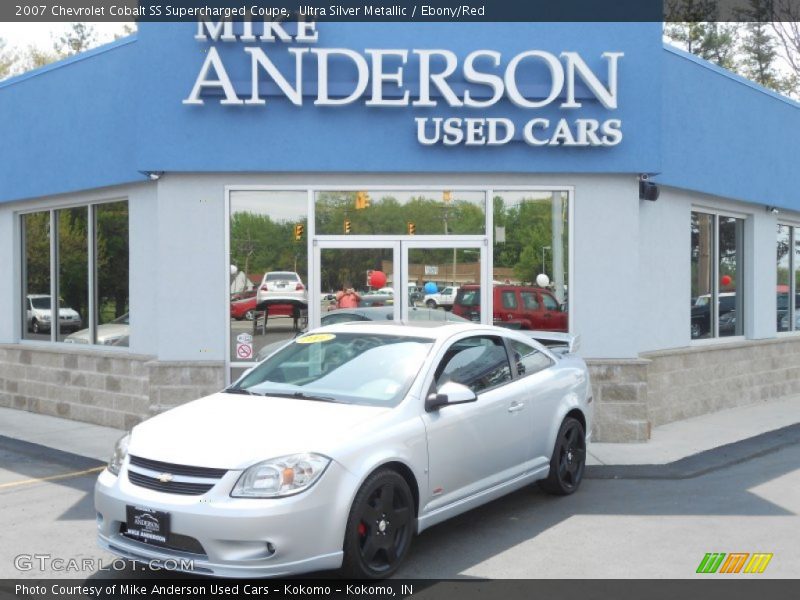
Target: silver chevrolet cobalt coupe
(342, 445)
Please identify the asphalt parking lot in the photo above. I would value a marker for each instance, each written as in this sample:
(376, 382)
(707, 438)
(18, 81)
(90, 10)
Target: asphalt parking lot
(640, 527)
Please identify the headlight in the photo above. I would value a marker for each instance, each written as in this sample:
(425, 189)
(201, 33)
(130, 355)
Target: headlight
(45, 317)
(282, 476)
(120, 452)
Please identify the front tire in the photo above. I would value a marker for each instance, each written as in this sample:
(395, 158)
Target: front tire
(568, 461)
(35, 326)
(380, 527)
(431, 304)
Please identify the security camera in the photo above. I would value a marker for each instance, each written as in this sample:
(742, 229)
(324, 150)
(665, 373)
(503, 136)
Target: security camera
(643, 177)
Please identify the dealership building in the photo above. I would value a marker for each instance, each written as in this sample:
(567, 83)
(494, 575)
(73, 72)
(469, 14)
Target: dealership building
(152, 185)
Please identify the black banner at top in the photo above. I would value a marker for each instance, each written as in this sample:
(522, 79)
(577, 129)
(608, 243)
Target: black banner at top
(401, 10)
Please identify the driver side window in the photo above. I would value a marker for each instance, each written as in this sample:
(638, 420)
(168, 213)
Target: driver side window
(480, 363)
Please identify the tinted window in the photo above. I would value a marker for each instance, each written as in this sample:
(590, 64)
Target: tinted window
(527, 359)
(509, 299)
(549, 302)
(282, 276)
(480, 363)
(468, 298)
(529, 300)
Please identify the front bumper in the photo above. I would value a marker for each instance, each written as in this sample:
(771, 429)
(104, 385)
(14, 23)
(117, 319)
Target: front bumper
(237, 537)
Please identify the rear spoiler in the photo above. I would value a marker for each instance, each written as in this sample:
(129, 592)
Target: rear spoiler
(556, 340)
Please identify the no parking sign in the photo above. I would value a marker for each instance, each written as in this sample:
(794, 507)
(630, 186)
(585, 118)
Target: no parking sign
(244, 346)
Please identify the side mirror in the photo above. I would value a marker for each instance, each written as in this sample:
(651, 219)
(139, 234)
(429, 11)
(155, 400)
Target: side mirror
(450, 393)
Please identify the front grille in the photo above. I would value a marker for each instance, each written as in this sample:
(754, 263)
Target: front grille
(183, 488)
(163, 467)
(175, 541)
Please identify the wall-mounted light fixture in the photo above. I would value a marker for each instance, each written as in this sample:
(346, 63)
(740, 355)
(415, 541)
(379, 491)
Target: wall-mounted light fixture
(773, 209)
(152, 175)
(647, 189)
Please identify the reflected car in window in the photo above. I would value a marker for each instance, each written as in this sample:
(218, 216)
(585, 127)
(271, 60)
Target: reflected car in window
(701, 313)
(282, 287)
(344, 444)
(515, 307)
(39, 315)
(114, 333)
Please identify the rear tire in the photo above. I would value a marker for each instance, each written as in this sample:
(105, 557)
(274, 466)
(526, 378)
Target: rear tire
(568, 461)
(380, 527)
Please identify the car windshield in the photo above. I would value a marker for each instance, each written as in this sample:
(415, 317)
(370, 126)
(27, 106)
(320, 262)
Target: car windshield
(351, 368)
(41, 303)
(281, 276)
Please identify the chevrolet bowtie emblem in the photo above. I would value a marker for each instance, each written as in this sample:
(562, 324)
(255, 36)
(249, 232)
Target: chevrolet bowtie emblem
(165, 477)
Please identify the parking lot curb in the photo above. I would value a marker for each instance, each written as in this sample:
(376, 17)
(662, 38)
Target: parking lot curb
(703, 462)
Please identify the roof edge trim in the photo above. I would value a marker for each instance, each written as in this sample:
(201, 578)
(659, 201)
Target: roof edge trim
(730, 75)
(113, 45)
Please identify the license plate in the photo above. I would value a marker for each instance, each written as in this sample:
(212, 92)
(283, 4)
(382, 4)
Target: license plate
(147, 525)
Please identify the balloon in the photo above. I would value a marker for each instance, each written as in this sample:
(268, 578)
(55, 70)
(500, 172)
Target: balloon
(726, 280)
(431, 288)
(377, 279)
(542, 280)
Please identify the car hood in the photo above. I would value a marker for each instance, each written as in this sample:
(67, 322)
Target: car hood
(233, 431)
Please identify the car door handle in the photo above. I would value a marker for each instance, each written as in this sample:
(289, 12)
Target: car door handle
(516, 406)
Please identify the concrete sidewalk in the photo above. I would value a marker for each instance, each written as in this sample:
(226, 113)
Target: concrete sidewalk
(668, 444)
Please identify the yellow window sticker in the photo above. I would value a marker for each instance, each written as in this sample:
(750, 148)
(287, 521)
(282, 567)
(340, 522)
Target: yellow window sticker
(315, 338)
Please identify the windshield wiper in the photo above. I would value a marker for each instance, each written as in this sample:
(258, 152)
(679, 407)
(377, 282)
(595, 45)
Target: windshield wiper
(233, 390)
(302, 396)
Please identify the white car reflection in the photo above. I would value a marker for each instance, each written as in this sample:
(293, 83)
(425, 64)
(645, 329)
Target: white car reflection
(114, 333)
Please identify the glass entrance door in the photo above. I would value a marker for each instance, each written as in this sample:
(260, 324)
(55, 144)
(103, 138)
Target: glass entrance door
(397, 280)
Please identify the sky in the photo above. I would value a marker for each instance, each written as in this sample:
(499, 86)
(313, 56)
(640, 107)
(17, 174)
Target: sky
(21, 35)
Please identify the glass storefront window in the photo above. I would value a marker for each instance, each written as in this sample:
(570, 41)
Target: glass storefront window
(371, 212)
(106, 280)
(113, 280)
(531, 259)
(73, 272)
(788, 266)
(36, 309)
(268, 271)
(717, 302)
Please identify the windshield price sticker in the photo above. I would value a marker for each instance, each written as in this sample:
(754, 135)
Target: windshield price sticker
(316, 338)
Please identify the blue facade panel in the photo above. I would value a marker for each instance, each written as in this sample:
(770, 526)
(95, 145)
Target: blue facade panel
(71, 125)
(102, 118)
(357, 138)
(726, 136)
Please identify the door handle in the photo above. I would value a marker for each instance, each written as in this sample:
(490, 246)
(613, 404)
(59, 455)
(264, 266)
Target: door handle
(516, 406)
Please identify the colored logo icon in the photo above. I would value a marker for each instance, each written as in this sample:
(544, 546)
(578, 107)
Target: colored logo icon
(735, 562)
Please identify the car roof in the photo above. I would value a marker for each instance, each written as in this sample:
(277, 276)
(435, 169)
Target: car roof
(427, 329)
(38, 295)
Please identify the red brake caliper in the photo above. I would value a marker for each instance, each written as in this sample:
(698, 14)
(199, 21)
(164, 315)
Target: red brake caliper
(362, 529)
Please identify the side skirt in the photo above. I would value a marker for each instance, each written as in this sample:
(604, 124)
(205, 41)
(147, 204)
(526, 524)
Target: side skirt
(463, 505)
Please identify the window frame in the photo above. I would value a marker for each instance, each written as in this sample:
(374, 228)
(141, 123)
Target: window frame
(53, 210)
(794, 269)
(716, 214)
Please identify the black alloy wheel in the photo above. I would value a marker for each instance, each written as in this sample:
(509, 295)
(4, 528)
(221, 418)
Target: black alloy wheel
(380, 527)
(35, 326)
(431, 304)
(568, 461)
